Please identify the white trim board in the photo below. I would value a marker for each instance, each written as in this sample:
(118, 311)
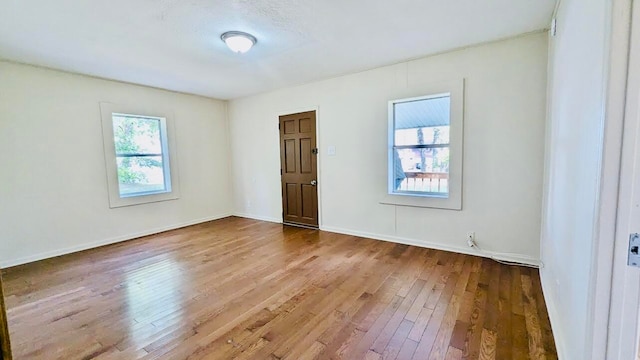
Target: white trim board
(621, 283)
(552, 312)
(109, 241)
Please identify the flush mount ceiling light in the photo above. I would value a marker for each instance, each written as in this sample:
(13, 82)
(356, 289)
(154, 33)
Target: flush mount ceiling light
(238, 41)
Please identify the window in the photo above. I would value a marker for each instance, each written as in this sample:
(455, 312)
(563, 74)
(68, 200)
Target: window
(425, 149)
(421, 146)
(139, 155)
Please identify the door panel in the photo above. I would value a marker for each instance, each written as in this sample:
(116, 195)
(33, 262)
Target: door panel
(306, 156)
(289, 127)
(307, 126)
(290, 156)
(298, 158)
(308, 201)
(292, 200)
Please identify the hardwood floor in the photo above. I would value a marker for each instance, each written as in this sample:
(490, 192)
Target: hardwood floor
(5, 346)
(244, 289)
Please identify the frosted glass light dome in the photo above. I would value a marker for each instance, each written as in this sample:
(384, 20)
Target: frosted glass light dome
(239, 42)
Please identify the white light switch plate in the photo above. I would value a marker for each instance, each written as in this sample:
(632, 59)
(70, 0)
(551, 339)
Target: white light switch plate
(331, 150)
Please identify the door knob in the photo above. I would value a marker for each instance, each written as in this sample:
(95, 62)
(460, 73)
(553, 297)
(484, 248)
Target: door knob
(314, 182)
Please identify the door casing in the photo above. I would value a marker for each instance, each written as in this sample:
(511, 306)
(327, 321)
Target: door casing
(623, 321)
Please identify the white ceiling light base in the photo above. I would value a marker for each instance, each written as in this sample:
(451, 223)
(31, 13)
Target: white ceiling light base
(238, 41)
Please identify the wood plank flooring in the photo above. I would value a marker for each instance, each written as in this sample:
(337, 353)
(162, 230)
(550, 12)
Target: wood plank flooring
(245, 289)
(5, 346)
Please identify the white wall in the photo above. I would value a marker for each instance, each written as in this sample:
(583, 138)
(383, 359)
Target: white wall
(53, 184)
(577, 96)
(503, 154)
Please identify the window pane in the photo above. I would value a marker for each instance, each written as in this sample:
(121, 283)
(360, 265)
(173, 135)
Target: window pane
(422, 122)
(422, 136)
(422, 170)
(140, 174)
(136, 135)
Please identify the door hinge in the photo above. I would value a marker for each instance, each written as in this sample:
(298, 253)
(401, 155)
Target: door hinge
(278, 126)
(280, 171)
(314, 151)
(633, 258)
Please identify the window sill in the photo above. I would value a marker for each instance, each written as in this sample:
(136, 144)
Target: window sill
(421, 195)
(424, 201)
(116, 202)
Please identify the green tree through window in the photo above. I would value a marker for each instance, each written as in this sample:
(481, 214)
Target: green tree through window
(138, 148)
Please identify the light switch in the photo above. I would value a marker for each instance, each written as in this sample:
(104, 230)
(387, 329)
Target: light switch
(331, 150)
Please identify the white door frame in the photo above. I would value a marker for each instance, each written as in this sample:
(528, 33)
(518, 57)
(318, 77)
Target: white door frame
(622, 342)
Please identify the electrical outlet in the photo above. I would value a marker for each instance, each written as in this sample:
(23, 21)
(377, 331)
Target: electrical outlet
(248, 203)
(471, 239)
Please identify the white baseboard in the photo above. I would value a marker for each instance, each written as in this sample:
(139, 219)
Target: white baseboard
(523, 259)
(258, 217)
(553, 316)
(114, 240)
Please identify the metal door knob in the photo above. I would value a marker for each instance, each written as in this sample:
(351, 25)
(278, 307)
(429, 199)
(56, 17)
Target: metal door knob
(314, 182)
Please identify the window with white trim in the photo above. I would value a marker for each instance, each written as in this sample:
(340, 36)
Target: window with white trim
(139, 156)
(421, 146)
(425, 148)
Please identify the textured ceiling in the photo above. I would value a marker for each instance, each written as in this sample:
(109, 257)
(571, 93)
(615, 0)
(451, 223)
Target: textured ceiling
(174, 44)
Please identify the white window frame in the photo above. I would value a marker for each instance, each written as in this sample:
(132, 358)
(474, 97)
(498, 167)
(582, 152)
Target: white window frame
(453, 199)
(169, 158)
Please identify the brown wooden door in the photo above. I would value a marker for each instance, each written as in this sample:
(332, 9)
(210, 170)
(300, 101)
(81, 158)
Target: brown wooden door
(298, 166)
(5, 348)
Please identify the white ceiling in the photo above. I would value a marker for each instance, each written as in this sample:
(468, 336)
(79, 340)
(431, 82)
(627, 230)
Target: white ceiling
(175, 44)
